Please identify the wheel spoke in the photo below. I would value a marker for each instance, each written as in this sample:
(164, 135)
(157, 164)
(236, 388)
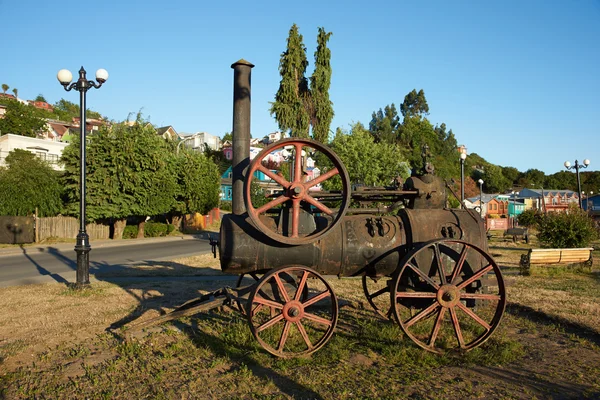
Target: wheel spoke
(282, 290)
(379, 292)
(315, 299)
(298, 163)
(474, 316)
(318, 319)
(304, 334)
(475, 276)
(426, 295)
(309, 199)
(270, 323)
(438, 260)
(295, 217)
(423, 275)
(269, 303)
(436, 327)
(301, 286)
(421, 315)
(457, 330)
(480, 296)
(273, 203)
(284, 335)
(321, 178)
(277, 178)
(459, 264)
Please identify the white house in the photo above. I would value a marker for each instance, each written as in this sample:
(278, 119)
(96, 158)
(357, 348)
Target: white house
(48, 150)
(197, 141)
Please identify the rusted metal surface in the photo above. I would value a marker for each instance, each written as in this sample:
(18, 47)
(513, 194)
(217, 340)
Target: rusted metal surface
(241, 132)
(293, 228)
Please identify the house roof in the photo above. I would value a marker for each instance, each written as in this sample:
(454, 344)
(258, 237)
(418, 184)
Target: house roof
(534, 193)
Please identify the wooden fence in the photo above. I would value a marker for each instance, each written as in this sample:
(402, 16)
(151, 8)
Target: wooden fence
(68, 227)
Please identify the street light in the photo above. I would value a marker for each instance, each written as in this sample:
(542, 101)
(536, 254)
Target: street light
(480, 181)
(586, 162)
(82, 244)
(463, 156)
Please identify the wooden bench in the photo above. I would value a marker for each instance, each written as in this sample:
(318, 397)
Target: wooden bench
(556, 257)
(517, 232)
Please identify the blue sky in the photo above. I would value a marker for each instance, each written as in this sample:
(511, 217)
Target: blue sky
(517, 81)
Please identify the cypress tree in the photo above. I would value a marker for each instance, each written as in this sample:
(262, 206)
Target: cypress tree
(320, 81)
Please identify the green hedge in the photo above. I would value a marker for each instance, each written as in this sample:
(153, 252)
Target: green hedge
(130, 232)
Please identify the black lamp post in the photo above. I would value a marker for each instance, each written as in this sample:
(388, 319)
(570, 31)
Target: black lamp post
(480, 181)
(463, 156)
(585, 164)
(82, 245)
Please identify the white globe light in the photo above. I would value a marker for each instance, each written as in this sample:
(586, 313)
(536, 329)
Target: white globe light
(463, 156)
(101, 75)
(586, 162)
(567, 164)
(64, 76)
(480, 181)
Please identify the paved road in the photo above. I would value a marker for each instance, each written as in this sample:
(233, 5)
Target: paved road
(36, 264)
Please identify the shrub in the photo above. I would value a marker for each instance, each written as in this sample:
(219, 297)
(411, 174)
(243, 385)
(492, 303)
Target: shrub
(528, 218)
(130, 232)
(225, 205)
(170, 228)
(570, 229)
(155, 229)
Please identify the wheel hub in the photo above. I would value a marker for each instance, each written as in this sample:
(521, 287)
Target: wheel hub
(296, 191)
(448, 296)
(293, 311)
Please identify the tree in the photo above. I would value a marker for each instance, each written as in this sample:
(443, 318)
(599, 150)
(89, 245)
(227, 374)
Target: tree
(368, 162)
(29, 183)
(384, 124)
(40, 97)
(16, 92)
(495, 182)
(128, 175)
(570, 229)
(289, 107)
(414, 104)
(320, 81)
(228, 136)
(511, 174)
(65, 110)
(5, 87)
(198, 184)
(21, 119)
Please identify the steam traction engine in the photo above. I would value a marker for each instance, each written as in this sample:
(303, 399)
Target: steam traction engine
(423, 265)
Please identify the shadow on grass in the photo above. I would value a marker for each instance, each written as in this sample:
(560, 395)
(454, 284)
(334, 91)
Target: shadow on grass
(540, 317)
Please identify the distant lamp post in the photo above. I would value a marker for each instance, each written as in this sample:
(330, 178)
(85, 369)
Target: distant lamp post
(463, 156)
(82, 245)
(480, 181)
(585, 164)
(515, 194)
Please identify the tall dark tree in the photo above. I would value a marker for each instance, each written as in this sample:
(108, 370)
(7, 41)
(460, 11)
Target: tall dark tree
(321, 113)
(40, 97)
(5, 87)
(16, 92)
(414, 104)
(292, 97)
(384, 125)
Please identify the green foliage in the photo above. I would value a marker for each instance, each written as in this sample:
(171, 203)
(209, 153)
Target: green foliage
(385, 125)
(21, 119)
(368, 163)
(28, 183)
(130, 232)
(155, 229)
(65, 110)
(198, 182)
(40, 97)
(225, 205)
(495, 181)
(320, 81)
(289, 106)
(414, 104)
(5, 87)
(257, 195)
(528, 218)
(128, 173)
(570, 229)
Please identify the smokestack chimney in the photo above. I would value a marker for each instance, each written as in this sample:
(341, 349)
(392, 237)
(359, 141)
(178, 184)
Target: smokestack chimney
(241, 132)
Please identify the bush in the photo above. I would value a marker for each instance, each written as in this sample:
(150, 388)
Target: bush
(570, 229)
(170, 228)
(226, 205)
(528, 218)
(130, 232)
(155, 229)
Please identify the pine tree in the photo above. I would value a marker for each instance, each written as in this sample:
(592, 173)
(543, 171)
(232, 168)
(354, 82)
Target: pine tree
(289, 107)
(320, 81)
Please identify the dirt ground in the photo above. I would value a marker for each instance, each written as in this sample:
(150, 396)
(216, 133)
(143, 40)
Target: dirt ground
(58, 343)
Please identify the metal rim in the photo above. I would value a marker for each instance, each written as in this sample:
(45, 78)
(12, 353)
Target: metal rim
(297, 191)
(442, 293)
(288, 308)
(386, 314)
